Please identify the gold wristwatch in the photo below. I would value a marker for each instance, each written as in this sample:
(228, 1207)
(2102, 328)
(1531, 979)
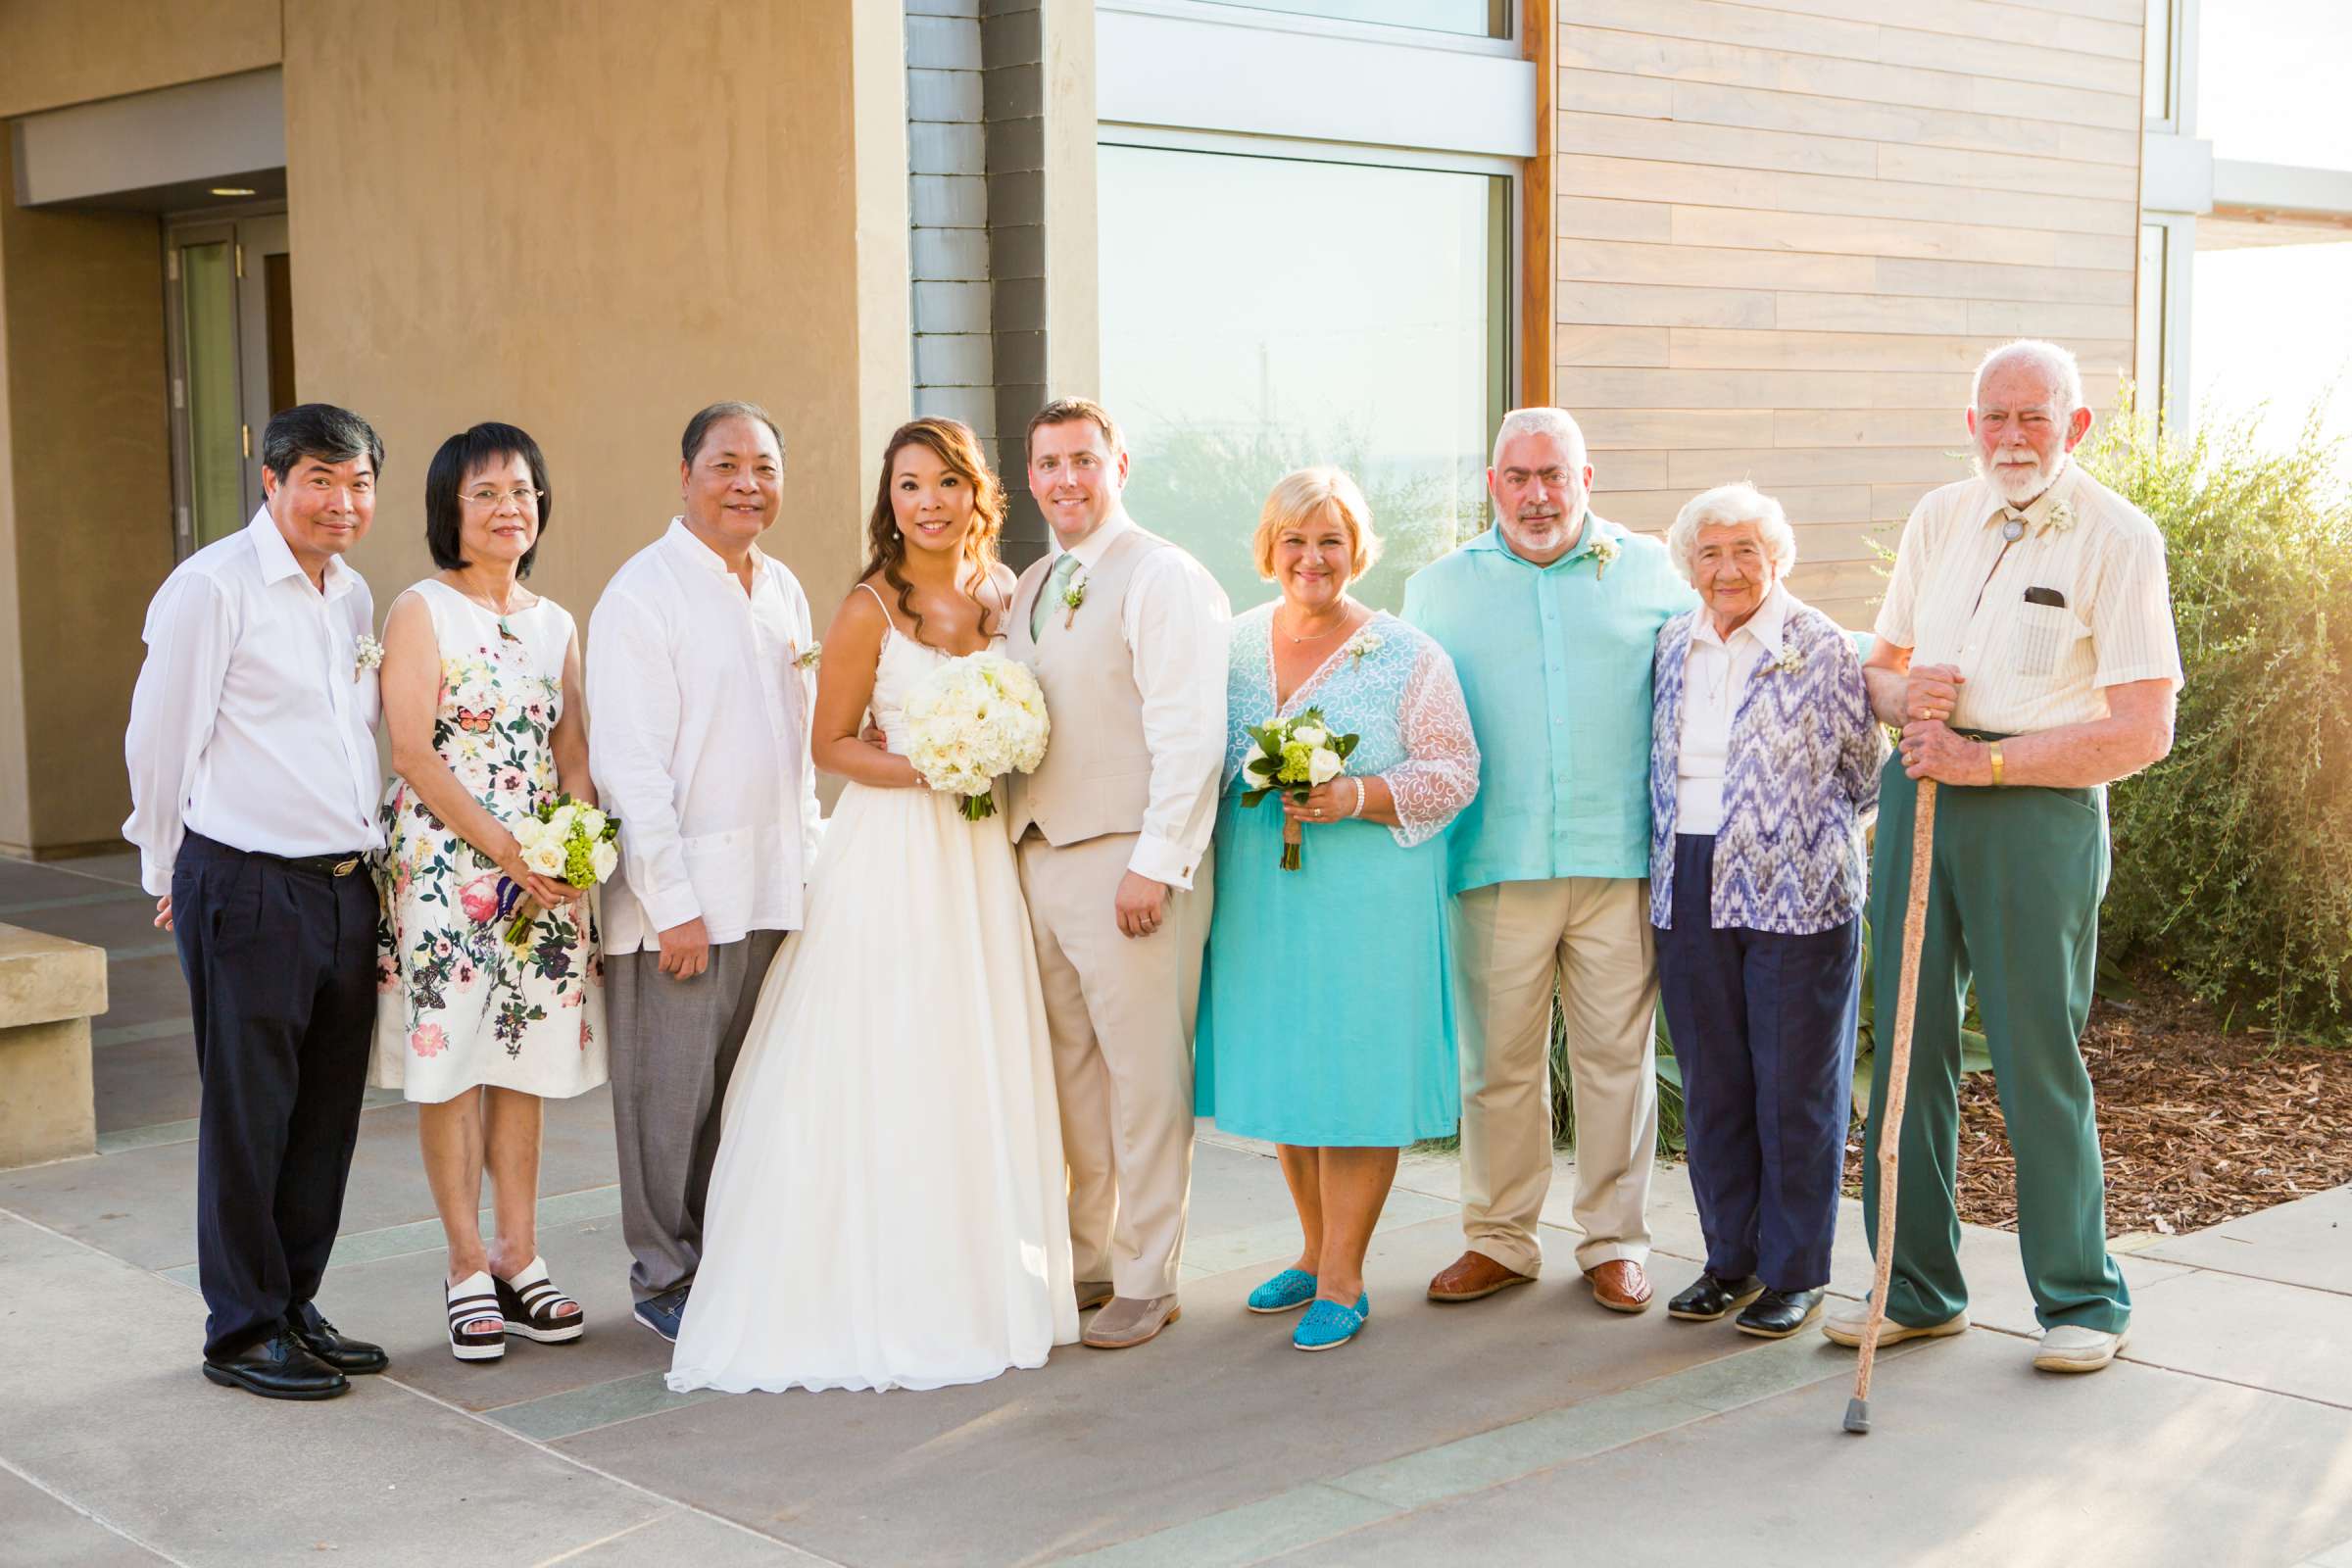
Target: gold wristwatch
(1996, 763)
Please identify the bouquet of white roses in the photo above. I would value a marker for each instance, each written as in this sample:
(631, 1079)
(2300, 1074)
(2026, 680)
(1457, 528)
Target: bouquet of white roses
(974, 719)
(1293, 756)
(567, 840)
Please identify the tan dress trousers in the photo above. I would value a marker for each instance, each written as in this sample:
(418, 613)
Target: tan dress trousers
(1590, 937)
(1120, 1013)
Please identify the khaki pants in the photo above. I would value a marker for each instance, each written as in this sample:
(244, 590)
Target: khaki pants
(1590, 937)
(1120, 1013)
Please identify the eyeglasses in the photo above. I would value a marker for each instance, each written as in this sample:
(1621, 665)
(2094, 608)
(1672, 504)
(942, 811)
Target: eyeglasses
(524, 500)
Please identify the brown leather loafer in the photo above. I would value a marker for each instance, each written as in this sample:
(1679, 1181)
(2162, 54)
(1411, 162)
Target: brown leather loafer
(1620, 1285)
(1471, 1276)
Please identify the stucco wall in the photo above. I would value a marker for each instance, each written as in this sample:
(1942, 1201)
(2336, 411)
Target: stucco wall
(85, 511)
(57, 52)
(685, 203)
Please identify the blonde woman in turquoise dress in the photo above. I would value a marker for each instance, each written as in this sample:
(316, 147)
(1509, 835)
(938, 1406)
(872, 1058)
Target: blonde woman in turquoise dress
(1327, 1019)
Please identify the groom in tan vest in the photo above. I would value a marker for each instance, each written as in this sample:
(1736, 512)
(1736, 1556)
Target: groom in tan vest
(1127, 635)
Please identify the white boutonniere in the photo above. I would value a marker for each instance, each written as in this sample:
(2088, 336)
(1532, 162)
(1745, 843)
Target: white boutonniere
(366, 653)
(1604, 556)
(810, 658)
(1362, 645)
(1071, 598)
(1791, 660)
(2062, 517)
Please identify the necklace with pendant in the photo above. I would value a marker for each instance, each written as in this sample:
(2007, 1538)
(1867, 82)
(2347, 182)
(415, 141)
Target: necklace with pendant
(2012, 529)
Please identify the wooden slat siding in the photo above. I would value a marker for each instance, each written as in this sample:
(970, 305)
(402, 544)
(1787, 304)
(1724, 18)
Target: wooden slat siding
(1605, 49)
(1787, 230)
(1710, 185)
(1540, 214)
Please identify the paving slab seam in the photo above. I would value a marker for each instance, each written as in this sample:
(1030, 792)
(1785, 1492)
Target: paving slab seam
(1336, 1506)
(791, 1551)
(586, 1547)
(2241, 1274)
(78, 901)
(94, 1517)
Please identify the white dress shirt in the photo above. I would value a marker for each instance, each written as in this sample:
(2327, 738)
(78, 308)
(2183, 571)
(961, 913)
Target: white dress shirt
(1715, 676)
(698, 739)
(254, 719)
(2100, 610)
(1174, 620)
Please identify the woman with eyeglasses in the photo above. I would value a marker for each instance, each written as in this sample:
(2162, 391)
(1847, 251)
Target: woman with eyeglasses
(490, 983)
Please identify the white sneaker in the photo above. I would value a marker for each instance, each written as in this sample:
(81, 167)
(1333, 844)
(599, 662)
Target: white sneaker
(2066, 1349)
(1844, 1324)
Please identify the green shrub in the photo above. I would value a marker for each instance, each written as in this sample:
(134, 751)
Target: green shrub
(2233, 856)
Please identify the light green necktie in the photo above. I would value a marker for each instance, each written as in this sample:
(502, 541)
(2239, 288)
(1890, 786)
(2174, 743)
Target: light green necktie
(1065, 566)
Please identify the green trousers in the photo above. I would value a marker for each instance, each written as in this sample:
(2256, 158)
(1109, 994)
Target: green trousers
(2014, 900)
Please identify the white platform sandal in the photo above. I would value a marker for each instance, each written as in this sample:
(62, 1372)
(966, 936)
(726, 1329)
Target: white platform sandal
(533, 1306)
(475, 1330)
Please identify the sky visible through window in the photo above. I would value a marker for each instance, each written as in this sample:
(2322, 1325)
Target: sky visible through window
(2267, 324)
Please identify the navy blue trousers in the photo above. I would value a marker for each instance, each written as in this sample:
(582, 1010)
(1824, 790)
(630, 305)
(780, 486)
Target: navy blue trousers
(1763, 1028)
(281, 966)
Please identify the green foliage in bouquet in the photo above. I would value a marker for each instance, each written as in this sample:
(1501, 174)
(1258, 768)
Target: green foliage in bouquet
(2234, 856)
(1293, 756)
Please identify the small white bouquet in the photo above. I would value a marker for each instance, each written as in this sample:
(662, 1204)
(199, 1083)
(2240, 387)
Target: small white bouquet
(1293, 756)
(565, 840)
(974, 719)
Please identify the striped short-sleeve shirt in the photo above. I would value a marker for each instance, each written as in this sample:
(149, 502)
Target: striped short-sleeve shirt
(2039, 626)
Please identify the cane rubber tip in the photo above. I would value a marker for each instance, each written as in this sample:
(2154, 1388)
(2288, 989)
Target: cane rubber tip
(1857, 1415)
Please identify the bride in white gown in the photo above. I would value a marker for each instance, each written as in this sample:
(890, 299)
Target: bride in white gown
(888, 1206)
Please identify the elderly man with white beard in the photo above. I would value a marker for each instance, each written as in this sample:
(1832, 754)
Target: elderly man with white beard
(2026, 648)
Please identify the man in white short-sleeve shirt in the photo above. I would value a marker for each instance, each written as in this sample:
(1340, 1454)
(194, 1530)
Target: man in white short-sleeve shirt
(2026, 647)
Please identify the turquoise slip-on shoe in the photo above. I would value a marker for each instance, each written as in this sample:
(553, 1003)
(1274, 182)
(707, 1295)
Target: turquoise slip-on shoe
(1328, 1325)
(1286, 1291)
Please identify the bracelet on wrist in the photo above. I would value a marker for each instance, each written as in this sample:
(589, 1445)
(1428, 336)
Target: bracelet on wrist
(1357, 809)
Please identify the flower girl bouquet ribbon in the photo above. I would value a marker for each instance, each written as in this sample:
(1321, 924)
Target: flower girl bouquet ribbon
(561, 839)
(1293, 757)
(973, 720)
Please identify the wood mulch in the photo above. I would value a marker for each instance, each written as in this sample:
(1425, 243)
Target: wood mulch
(2199, 1126)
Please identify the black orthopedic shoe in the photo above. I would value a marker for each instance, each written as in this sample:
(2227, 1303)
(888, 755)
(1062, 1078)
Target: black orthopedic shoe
(277, 1368)
(1777, 1315)
(338, 1350)
(1706, 1298)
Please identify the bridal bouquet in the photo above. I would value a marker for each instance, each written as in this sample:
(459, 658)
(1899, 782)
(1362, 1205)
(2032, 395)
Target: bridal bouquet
(561, 839)
(974, 719)
(1293, 756)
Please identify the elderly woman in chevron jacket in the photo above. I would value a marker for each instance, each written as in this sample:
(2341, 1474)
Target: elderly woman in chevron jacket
(1764, 765)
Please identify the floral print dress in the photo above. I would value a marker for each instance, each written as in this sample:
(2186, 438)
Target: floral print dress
(458, 1003)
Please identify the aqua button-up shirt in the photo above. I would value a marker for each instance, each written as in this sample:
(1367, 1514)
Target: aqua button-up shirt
(1555, 665)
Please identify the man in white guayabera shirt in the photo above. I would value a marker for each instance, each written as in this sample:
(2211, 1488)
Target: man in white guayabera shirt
(253, 787)
(1127, 634)
(700, 684)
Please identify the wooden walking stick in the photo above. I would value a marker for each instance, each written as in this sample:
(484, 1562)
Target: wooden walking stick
(1898, 1066)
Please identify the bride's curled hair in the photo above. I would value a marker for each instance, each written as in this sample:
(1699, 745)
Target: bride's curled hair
(953, 442)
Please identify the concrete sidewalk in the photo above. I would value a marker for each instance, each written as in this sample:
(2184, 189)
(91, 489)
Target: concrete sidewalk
(1531, 1427)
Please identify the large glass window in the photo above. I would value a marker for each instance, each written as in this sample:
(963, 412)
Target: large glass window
(2271, 81)
(1480, 19)
(1262, 314)
(2251, 338)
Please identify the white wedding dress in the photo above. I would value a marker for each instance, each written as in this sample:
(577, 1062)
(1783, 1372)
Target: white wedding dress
(888, 1208)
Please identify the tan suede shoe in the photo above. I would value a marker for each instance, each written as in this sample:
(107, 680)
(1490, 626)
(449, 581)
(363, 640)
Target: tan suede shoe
(1474, 1275)
(1620, 1285)
(1127, 1322)
(1092, 1294)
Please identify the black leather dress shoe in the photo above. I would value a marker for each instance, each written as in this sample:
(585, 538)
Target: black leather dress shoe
(1706, 1298)
(1777, 1315)
(277, 1368)
(338, 1350)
